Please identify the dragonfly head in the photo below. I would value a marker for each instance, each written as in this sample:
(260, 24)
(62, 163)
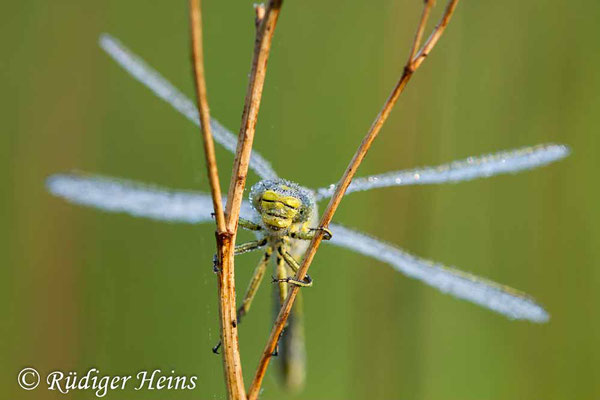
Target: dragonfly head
(281, 203)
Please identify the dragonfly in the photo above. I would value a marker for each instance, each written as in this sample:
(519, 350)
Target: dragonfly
(283, 214)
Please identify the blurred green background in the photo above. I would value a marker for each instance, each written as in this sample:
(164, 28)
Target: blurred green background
(83, 289)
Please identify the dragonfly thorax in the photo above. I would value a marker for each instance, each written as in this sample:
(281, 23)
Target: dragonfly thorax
(281, 204)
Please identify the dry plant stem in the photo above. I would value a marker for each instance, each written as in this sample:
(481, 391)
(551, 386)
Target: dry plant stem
(232, 365)
(421, 28)
(227, 227)
(227, 308)
(409, 69)
(203, 110)
(435, 35)
(262, 47)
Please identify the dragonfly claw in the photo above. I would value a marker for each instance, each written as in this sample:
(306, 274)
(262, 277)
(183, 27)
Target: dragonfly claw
(306, 282)
(216, 268)
(327, 235)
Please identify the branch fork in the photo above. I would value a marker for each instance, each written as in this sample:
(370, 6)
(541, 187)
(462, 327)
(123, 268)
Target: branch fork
(227, 221)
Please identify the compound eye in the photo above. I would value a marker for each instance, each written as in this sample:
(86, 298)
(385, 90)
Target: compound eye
(291, 202)
(270, 195)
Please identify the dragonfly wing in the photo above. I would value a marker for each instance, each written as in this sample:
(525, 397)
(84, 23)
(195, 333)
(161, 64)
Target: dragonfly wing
(162, 88)
(136, 199)
(463, 170)
(488, 294)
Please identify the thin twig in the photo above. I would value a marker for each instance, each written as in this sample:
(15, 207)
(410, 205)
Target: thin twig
(435, 35)
(231, 356)
(226, 236)
(262, 48)
(421, 28)
(309, 255)
(209, 146)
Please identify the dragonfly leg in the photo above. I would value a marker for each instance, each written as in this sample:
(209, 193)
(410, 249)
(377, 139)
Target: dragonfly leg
(293, 264)
(280, 277)
(217, 347)
(306, 282)
(241, 249)
(275, 352)
(327, 235)
(310, 234)
(216, 268)
(257, 276)
(249, 225)
(250, 246)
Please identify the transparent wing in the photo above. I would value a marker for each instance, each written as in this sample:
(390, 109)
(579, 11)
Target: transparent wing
(136, 199)
(463, 170)
(140, 200)
(496, 297)
(167, 92)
